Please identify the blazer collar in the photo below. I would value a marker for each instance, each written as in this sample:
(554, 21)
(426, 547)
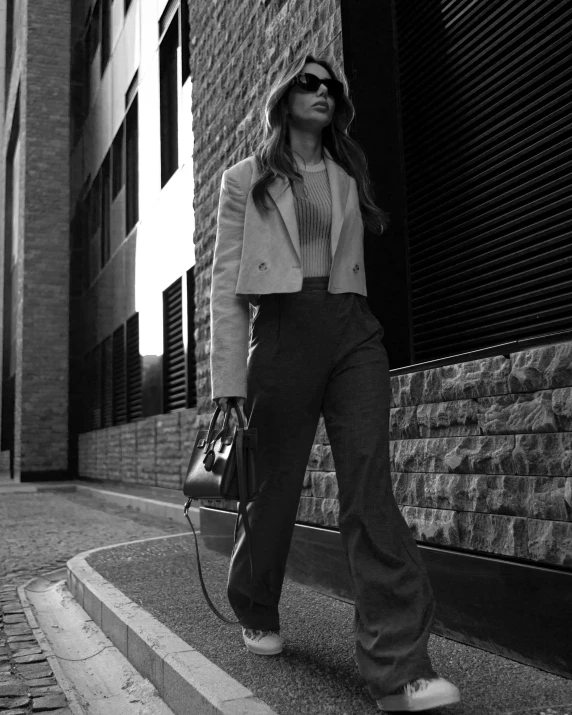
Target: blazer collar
(283, 197)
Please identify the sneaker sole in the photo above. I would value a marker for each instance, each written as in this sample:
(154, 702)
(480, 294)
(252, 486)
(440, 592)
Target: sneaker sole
(392, 703)
(260, 651)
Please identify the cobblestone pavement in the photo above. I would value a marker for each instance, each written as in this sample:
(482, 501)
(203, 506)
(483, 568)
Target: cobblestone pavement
(39, 533)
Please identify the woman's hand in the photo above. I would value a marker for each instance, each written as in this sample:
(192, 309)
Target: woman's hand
(222, 402)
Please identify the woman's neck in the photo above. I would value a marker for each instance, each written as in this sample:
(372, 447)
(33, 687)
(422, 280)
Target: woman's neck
(307, 147)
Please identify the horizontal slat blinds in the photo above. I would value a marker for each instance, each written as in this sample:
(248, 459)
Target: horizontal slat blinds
(486, 114)
(107, 373)
(96, 388)
(191, 347)
(133, 369)
(119, 377)
(174, 374)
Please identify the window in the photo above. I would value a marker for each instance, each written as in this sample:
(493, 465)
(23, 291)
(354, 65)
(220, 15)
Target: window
(119, 377)
(105, 34)
(105, 209)
(117, 159)
(191, 344)
(168, 101)
(9, 44)
(107, 382)
(174, 372)
(96, 388)
(133, 367)
(77, 90)
(93, 34)
(185, 38)
(132, 165)
(95, 205)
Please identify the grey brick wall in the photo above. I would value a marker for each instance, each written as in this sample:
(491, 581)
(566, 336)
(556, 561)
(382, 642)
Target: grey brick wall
(42, 378)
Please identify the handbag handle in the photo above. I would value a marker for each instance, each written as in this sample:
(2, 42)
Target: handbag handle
(242, 491)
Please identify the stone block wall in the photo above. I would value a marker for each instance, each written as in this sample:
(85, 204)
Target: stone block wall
(481, 456)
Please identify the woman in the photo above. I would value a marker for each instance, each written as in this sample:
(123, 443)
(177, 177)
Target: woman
(290, 241)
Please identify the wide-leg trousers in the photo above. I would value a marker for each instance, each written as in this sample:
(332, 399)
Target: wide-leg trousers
(316, 352)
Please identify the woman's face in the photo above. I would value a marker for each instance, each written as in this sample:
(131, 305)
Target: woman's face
(307, 110)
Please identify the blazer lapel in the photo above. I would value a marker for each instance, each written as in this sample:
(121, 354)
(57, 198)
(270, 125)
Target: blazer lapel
(283, 197)
(339, 187)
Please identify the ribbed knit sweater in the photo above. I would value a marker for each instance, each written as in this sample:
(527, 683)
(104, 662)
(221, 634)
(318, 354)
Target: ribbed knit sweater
(314, 217)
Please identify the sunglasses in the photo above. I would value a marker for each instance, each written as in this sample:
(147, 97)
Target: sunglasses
(310, 83)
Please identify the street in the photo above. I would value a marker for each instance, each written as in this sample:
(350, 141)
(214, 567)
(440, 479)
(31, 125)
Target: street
(39, 533)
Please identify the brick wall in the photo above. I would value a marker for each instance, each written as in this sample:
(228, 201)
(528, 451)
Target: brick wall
(42, 379)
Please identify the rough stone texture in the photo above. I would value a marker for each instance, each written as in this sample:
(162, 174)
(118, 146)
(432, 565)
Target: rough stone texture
(477, 378)
(511, 495)
(541, 368)
(168, 458)
(535, 540)
(49, 702)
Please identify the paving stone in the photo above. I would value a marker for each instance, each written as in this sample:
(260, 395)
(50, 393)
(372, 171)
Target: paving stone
(18, 652)
(17, 712)
(21, 639)
(3, 658)
(13, 607)
(18, 629)
(41, 681)
(35, 670)
(4, 667)
(15, 618)
(46, 690)
(34, 658)
(50, 702)
(6, 703)
(16, 687)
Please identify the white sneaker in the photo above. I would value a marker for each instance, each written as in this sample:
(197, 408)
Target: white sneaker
(263, 642)
(421, 694)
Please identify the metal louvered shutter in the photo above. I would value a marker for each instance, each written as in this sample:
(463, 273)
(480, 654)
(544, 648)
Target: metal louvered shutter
(96, 388)
(191, 344)
(486, 117)
(133, 369)
(174, 374)
(119, 378)
(107, 376)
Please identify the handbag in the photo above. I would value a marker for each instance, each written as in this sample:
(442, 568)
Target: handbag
(222, 466)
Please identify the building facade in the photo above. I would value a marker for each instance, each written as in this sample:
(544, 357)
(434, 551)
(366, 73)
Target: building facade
(462, 112)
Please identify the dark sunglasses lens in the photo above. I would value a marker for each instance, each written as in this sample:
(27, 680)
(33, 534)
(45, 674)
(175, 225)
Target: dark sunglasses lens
(311, 83)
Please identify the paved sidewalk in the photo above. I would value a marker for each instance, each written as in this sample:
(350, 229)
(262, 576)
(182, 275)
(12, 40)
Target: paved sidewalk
(316, 673)
(40, 530)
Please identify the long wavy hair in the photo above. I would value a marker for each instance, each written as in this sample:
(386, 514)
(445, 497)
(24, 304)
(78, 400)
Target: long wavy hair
(274, 156)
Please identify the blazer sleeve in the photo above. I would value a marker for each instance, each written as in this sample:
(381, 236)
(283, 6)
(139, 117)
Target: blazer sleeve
(229, 319)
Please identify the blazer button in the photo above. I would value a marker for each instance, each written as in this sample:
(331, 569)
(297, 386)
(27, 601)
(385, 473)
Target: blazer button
(262, 267)
(356, 268)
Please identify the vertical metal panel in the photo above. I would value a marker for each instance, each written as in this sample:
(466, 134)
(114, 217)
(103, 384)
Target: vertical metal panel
(119, 377)
(174, 372)
(134, 369)
(487, 124)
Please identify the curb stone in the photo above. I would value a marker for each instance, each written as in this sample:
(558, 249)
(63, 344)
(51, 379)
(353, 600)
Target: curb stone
(69, 693)
(185, 679)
